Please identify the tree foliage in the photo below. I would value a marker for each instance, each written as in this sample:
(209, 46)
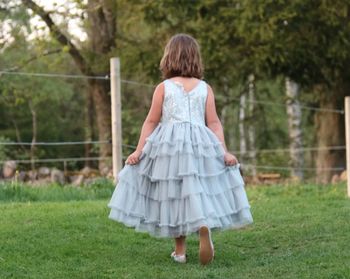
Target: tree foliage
(307, 41)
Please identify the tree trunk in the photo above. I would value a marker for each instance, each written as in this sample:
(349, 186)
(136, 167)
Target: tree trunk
(251, 127)
(34, 133)
(226, 90)
(100, 89)
(242, 142)
(89, 124)
(102, 31)
(294, 129)
(330, 127)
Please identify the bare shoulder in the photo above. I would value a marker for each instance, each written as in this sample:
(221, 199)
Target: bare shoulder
(160, 86)
(210, 90)
(159, 91)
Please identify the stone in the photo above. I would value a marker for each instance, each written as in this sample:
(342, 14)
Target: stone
(57, 176)
(77, 180)
(88, 172)
(343, 176)
(110, 174)
(32, 174)
(9, 169)
(22, 176)
(105, 171)
(335, 179)
(43, 172)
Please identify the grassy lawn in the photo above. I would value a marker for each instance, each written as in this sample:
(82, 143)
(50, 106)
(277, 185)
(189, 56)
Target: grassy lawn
(300, 231)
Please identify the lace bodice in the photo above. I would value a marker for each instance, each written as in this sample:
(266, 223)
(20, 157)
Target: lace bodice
(182, 106)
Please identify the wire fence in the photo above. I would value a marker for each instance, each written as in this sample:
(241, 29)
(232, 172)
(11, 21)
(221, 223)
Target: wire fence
(325, 148)
(133, 82)
(276, 150)
(128, 146)
(248, 166)
(57, 143)
(28, 161)
(292, 168)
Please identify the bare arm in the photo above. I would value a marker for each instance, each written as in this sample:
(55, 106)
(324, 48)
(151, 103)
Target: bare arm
(211, 118)
(150, 123)
(213, 123)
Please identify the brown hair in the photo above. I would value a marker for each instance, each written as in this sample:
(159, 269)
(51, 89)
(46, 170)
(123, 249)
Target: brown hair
(181, 58)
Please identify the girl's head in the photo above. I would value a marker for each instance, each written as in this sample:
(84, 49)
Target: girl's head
(182, 58)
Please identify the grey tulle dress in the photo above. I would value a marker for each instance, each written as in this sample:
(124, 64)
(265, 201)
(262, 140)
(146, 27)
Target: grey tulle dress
(181, 181)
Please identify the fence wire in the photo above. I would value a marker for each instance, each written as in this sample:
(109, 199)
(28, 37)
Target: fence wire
(133, 82)
(243, 165)
(57, 143)
(107, 77)
(276, 150)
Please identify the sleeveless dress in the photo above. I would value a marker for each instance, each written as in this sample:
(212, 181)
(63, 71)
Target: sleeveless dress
(181, 181)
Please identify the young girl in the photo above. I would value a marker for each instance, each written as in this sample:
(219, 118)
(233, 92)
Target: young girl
(181, 178)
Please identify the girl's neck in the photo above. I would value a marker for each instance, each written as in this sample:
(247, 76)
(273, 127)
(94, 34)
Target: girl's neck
(188, 83)
(187, 79)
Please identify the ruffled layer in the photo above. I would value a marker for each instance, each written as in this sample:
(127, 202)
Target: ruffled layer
(233, 221)
(178, 166)
(161, 190)
(171, 149)
(177, 208)
(175, 150)
(180, 184)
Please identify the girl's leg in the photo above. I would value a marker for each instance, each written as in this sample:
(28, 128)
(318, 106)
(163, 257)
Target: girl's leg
(180, 245)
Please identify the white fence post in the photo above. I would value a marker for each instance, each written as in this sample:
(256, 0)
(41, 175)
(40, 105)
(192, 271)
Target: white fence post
(116, 117)
(347, 140)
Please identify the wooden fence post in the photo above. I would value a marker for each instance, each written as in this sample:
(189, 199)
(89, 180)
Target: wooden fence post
(347, 140)
(116, 117)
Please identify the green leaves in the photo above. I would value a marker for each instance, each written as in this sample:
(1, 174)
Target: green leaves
(299, 39)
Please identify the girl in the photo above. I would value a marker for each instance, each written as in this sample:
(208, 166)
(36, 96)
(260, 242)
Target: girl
(181, 178)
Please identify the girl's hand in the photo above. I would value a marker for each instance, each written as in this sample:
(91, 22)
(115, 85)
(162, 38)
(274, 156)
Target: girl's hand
(230, 159)
(133, 158)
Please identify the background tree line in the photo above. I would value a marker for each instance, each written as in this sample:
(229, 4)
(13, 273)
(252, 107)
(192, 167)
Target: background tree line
(306, 42)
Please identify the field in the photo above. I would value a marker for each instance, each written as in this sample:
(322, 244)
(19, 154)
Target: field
(300, 231)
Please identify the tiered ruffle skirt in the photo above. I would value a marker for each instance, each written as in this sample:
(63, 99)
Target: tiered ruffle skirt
(180, 184)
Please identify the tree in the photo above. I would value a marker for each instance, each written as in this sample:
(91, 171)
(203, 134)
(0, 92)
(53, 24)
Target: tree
(27, 48)
(27, 101)
(93, 60)
(294, 128)
(242, 119)
(307, 41)
(251, 127)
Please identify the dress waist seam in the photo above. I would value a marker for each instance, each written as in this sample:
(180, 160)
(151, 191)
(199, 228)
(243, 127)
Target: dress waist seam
(181, 122)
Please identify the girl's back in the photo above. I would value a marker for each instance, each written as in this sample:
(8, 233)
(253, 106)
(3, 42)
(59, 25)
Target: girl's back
(184, 100)
(181, 179)
(188, 83)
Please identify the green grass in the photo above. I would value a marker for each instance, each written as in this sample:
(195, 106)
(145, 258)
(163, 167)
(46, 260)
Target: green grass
(21, 192)
(299, 232)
